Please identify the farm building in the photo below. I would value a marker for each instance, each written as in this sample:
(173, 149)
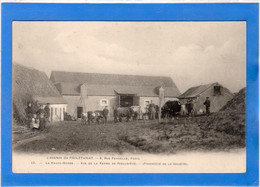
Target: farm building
(57, 105)
(218, 96)
(92, 91)
(30, 85)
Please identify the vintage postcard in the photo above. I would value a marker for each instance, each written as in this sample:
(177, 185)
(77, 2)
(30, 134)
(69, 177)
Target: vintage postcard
(130, 94)
(129, 97)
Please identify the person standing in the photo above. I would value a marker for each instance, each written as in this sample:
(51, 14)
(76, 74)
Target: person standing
(207, 105)
(29, 111)
(105, 114)
(189, 107)
(115, 115)
(47, 111)
(41, 116)
(140, 113)
(152, 110)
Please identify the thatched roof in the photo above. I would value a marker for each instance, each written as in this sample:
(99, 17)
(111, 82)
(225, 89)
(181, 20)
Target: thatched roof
(109, 84)
(32, 81)
(28, 82)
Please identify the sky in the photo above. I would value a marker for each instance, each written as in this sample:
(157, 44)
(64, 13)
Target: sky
(191, 53)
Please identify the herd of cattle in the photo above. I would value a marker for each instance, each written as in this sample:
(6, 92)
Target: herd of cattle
(170, 110)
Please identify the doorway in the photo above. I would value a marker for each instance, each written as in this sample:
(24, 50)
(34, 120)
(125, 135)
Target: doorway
(126, 101)
(79, 111)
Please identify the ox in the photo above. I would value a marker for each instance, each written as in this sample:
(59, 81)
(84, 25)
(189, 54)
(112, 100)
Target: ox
(121, 112)
(170, 109)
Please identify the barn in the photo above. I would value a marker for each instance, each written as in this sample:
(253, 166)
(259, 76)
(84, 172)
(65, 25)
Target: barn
(218, 96)
(93, 91)
(31, 85)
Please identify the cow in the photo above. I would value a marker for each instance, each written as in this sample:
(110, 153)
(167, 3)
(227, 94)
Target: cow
(96, 115)
(122, 112)
(84, 117)
(171, 109)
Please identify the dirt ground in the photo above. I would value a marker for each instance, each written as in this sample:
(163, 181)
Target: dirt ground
(183, 134)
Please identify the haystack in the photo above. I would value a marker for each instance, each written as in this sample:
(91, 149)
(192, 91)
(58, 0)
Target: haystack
(231, 119)
(238, 103)
(28, 82)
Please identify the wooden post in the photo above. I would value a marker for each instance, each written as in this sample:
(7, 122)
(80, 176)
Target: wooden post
(160, 110)
(161, 96)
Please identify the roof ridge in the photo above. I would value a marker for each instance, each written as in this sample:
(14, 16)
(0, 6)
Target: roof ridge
(197, 87)
(58, 71)
(112, 84)
(210, 85)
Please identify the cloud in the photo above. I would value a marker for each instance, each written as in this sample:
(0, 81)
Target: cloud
(202, 65)
(191, 53)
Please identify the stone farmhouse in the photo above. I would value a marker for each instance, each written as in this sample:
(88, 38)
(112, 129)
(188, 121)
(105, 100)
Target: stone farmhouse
(93, 91)
(218, 96)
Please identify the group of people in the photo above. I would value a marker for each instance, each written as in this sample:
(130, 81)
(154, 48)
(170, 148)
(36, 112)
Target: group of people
(189, 106)
(37, 116)
(149, 112)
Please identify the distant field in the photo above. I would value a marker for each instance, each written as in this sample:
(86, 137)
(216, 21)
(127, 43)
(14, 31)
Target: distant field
(137, 137)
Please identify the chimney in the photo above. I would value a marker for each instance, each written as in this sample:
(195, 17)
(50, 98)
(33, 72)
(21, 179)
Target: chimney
(83, 90)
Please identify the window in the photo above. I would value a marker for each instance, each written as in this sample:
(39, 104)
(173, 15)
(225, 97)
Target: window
(104, 102)
(217, 90)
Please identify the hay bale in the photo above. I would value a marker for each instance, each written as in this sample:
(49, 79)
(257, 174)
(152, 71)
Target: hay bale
(28, 82)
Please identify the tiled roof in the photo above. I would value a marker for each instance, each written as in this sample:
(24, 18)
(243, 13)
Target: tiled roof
(110, 90)
(109, 84)
(196, 91)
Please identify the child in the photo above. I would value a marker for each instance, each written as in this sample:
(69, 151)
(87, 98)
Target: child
(37, 123)
(34, 123)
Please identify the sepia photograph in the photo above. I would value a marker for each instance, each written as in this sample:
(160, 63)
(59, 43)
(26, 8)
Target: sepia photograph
(129, 97)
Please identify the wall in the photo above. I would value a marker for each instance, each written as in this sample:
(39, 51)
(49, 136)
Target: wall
(216, 102)
(89, 103)
(59, 114)
(93, 103)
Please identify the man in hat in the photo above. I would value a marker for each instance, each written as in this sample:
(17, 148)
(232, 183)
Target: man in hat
(29, 111)
(115, 115)
(152, 110)
(47, 111)
(207, 105)
(105, 114)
